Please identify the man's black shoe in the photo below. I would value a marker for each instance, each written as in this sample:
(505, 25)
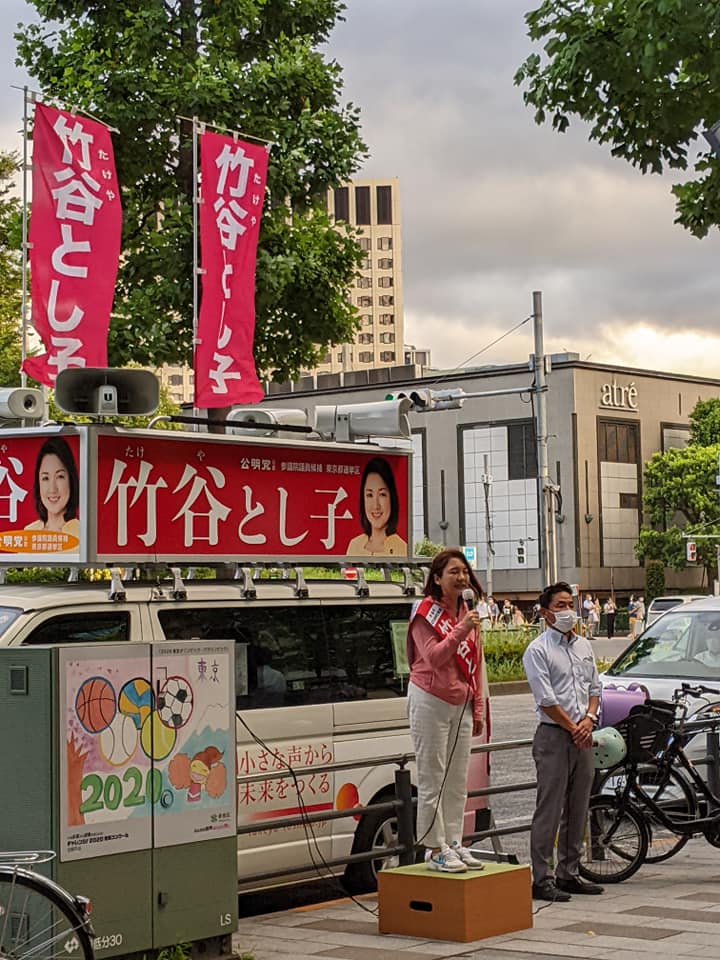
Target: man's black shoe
(576, 885)
(547, 890)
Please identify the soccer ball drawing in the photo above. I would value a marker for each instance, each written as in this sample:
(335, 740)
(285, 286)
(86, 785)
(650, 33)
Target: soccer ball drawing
(175, 703)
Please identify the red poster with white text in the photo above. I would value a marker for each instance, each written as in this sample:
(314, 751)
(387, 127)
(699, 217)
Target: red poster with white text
(75, 229)
(232, 194)
(178, 498)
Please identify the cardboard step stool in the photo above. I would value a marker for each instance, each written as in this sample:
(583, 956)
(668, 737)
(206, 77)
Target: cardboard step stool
(416, 902)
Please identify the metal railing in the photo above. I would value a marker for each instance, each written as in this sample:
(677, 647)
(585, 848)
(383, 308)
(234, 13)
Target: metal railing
(402, 804)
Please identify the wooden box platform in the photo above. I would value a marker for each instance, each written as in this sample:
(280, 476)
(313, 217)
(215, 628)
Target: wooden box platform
(416, 902)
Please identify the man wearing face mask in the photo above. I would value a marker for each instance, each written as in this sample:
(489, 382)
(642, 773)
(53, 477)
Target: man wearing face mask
(560, 668)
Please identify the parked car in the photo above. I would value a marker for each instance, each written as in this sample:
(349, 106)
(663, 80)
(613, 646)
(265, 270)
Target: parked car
(681, 645)
(661, 605)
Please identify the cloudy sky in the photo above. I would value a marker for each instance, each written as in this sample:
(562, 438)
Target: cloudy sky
(494, 207)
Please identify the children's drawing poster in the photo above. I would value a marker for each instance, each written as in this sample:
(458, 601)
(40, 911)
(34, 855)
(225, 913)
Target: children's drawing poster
(107, 780)
(147, 746)
(194, 740)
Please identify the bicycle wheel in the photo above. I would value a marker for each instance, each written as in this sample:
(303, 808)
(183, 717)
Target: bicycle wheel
(616, 841)
(672, 792)
(39, 920)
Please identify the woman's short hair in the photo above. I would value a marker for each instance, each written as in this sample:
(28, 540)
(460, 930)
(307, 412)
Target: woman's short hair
(59, 447)
(380, 466)
(437, 568)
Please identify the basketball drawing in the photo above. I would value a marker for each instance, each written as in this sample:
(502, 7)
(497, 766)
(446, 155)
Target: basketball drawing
(95, 704)
(175, 702)
(136, 700)
(157, 740)
(119, 741)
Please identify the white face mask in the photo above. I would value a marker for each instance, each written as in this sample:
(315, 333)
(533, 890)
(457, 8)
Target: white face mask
(565, 620)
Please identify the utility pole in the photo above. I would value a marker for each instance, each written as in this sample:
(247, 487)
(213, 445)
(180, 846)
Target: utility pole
(489, 550)
(541, 430)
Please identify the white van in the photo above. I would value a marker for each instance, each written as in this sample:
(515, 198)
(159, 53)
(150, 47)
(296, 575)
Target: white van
(321, 679)
(660, 605)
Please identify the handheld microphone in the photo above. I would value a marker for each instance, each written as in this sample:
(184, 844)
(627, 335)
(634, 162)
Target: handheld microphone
(469, 598)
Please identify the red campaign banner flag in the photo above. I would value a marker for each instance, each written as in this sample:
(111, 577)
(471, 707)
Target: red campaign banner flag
(75, 227)
(232, 192)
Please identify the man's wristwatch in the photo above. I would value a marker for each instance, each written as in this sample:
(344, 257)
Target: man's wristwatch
(593, 717)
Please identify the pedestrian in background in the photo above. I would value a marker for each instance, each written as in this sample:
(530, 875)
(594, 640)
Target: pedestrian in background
(593, 619)
(483, 609)
(610, 610)
(506, 615)
(587, 606)
(494, 611)
(560, 668)
(632, 607)
(446, 706)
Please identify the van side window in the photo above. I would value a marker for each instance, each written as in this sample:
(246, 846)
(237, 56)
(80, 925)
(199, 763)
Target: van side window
(82, 628)
(304, 654)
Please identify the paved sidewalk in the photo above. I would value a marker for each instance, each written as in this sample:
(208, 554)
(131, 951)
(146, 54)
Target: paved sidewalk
(666, 910)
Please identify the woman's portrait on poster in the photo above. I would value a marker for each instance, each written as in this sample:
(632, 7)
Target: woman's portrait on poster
(56, 489)
(379, 510)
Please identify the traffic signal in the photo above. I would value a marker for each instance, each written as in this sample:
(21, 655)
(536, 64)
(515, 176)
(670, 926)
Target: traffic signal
(424, 400)
(691, 551)
(521, 552)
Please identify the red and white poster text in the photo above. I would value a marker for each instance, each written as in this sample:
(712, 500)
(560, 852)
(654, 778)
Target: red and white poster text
(232, 193)
(74, 241)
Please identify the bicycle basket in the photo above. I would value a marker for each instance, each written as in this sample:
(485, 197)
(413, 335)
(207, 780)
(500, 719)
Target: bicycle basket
(649, 728)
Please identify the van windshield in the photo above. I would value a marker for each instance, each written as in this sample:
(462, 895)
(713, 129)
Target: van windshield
(680, 644)
(7, 615)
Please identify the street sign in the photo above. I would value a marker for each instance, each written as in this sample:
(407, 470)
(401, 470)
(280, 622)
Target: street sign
(470, 556)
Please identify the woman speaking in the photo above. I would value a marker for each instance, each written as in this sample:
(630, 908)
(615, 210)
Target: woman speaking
(445, 706)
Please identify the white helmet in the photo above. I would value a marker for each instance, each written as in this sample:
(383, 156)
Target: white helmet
(608, 748)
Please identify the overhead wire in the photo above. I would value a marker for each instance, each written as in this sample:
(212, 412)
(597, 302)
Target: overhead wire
(458, 368)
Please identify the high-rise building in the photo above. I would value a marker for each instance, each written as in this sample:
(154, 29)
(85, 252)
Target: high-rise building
(373, 206)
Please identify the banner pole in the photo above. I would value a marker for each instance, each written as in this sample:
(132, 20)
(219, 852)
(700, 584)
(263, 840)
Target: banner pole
(24, 297)
(196, 202)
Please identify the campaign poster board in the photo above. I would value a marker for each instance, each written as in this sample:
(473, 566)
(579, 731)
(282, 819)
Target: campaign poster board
(107, 780)
(194, 740)
(215, 498)
(42, 498)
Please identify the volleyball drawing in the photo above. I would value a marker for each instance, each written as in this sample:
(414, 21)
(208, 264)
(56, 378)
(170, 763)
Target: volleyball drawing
(157, 740)
(175, 702)
(95, 704)
(136, 700)
(119, 741)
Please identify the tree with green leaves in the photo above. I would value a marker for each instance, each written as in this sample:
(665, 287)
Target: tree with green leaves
(10, 274)
(680, 495)
(644, 75)
(246, 65)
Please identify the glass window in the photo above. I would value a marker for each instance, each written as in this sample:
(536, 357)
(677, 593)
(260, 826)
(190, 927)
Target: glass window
(522, 451)
(387, 356)
(387, 338)
(175, 380)
(384, 204)
(110, 627)
(680, 645)
(365, 243)
(366, 264)
(387, 300)
(364, 282)
(385, 263)
(364, 301)
(387, 319)
(366, 319)
(365, 338)
(618, 442)
(385, 281)
(385, 243)
(342, 204)
(365, 356)
(362, 205)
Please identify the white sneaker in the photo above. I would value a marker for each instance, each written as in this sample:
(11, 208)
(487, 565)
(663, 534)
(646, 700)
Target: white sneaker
(466, 856)
(446, 861)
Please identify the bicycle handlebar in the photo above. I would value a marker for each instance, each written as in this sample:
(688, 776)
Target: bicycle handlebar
(690, 690)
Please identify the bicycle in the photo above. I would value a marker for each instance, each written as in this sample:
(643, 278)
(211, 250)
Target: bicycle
(39, 920)
(620, 826)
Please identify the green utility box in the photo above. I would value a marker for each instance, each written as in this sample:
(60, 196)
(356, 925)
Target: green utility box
(121, 758)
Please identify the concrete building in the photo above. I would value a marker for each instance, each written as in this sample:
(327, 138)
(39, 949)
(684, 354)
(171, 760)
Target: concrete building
(604, 422)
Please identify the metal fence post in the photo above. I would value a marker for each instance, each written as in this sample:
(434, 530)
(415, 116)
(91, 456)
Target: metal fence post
(405, 820)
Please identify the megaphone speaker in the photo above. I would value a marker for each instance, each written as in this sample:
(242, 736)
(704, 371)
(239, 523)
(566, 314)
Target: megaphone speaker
(18, 403)
(107, 391)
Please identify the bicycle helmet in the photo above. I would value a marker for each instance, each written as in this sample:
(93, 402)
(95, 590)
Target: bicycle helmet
(608, 748)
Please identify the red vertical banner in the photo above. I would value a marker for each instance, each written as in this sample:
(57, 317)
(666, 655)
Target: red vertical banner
(75, 228)
(232, 191)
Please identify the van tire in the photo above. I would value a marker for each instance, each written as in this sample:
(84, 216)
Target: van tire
(374, 830)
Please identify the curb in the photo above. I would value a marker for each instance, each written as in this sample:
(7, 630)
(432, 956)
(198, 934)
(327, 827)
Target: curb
(508, 687)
